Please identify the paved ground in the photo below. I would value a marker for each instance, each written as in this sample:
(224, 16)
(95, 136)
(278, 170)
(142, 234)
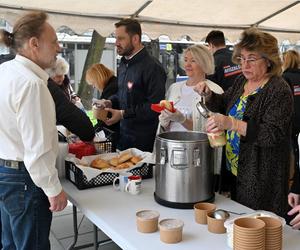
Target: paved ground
(61, 235)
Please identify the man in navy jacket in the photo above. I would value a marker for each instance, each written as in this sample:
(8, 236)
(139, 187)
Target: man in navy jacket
(141, 82)
(225, 70)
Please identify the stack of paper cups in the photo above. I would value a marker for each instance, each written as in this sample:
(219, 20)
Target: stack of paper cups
(248, 234)
(273, 233)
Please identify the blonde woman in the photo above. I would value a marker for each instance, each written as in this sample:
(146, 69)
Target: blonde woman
(104, 80)
(198, 62)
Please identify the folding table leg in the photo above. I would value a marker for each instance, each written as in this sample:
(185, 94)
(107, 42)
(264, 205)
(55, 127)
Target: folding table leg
(74, 228)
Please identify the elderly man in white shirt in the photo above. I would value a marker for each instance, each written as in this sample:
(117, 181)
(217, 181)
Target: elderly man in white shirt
(29, 186)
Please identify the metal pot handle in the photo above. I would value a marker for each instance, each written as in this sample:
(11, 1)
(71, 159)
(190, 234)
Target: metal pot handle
(196, 157)
(163, 156)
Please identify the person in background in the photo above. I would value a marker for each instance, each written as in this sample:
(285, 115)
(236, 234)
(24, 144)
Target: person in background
(141, 82)
(104, 80)
(70, 116)
(291, 73)
(7, 57)
(28, 149)
(257, 113)
(226, 71)
(59, 75)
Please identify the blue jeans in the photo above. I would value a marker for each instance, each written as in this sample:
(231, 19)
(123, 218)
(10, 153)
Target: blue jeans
(25, 214)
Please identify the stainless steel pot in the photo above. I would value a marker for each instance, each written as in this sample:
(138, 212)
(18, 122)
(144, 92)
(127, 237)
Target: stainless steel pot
(184, 169)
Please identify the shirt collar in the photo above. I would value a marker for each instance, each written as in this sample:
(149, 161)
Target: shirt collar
(33, 66)
(131, 56)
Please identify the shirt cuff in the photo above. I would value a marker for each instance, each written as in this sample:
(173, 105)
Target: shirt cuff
(53, 191)
(122, 114)
(128, 113)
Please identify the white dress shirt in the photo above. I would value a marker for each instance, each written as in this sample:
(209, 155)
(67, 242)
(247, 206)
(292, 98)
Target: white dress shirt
(27, 124)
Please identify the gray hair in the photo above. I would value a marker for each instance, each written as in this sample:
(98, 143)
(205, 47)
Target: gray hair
(61, 67)
(203, 58)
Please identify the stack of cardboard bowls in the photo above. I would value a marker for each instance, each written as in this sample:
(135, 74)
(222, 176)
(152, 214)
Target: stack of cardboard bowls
(249, 234)
(273, 238)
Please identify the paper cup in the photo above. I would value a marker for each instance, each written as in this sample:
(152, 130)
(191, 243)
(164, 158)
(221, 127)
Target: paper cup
(249, 224)
(100, 113)
(217, 139)
(201, 209)
(248, 233)
(147, 221)
(273, 233)
(170, 230)
(215, 225)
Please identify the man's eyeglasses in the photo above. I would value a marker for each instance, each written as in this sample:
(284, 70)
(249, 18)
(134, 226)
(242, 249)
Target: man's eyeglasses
(250, 60)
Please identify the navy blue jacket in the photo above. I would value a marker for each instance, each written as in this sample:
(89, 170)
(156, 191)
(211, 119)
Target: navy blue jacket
(141, 82)
(225, 70)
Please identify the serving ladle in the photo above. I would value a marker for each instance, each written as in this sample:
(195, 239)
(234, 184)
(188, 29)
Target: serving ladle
(220, 214)
(203, 110)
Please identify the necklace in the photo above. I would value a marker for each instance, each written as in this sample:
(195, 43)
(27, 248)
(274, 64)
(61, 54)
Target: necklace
(248, 89)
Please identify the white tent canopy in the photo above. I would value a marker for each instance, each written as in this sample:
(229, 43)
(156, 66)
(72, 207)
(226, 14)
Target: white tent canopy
(174, 18)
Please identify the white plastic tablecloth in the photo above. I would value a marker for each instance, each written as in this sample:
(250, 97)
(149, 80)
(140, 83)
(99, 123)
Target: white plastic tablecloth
(114, 213)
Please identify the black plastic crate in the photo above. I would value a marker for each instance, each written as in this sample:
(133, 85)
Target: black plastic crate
(76, 176)
(109, 145)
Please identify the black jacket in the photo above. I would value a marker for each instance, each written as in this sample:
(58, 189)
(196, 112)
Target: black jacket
(292, 76)
(68, 115)
(225, 70)
(141, 82)
(295, 188)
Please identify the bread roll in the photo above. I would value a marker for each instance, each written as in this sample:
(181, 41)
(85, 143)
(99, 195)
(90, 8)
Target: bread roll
(125, 157)
(114, 161)
(135, 159)
(122, 166)
(166, 104)
(99, 164)
(130, 164)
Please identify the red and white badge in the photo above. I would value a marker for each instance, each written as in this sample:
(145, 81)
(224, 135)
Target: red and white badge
(129, 85)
